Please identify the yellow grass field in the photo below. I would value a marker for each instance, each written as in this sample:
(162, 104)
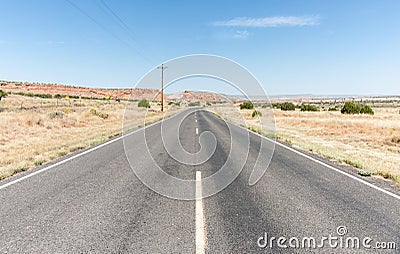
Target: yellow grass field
(34, 131)
(370, 143)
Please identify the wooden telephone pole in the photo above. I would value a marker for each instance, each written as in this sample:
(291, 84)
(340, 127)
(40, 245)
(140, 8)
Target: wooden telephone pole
(162, 67)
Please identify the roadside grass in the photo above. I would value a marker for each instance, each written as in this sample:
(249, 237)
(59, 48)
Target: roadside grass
(39, 162)
(369, 143)
(62, 153)
(13, 170)
(353, 163)
(43, 129)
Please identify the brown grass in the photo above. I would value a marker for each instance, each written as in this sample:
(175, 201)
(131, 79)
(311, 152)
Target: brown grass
(370, 143)
(34, 131)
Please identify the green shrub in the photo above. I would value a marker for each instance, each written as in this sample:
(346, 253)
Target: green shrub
(355, 108)
(276, 105)
(365, 109)
(2, 94)
(333, 109)
(246, 105)
(144, 104)
(308, 107)
(171, 103)
(19, 93)
(256, 113)
(194, 104)
(351, 108)
(44, 96)
(287, 106)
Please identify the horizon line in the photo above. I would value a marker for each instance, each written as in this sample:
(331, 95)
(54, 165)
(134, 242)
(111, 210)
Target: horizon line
(338, 95)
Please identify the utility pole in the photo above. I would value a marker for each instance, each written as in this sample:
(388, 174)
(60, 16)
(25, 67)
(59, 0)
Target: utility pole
(162, 67)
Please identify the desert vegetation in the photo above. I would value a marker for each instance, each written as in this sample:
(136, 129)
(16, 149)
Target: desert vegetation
(355, 108)
(194, 104)
(286, 106)
(144, 104)
(37, 129)
(308, 107)
(2, 94)
(246, 105)
(369, 142)
(256, 113)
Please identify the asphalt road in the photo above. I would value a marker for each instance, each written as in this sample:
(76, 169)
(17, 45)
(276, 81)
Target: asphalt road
(94, 203)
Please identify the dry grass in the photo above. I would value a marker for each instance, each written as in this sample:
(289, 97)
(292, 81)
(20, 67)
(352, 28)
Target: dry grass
(34, 131)
(370, 143)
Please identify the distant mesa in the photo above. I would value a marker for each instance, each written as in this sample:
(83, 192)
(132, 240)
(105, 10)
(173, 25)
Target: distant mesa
(125, 94)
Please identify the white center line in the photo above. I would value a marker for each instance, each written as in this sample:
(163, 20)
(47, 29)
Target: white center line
(200, 225)
(197, 131)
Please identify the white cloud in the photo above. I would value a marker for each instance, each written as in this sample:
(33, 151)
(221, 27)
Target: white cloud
(270, 21)
(49, 42)
(241, 34)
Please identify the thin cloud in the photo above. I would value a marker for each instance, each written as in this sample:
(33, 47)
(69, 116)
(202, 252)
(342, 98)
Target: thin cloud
(275, 21)
(50, 42)
(241, 34)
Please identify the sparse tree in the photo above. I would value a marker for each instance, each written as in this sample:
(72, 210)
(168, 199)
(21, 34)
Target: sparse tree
(2, 94)
(246, 105)
(308, 107)
(144, 104)
(256, 113)
(58, 97)
(287, 106)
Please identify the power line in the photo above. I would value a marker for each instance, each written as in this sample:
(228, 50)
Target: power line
(118, 18)
(122, 24)
(97, 23)
(104, 28)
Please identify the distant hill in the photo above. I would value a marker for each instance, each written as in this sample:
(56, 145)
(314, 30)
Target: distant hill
(194, 96)
(134, 94)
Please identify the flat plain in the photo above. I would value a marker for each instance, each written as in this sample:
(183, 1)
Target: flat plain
(370, 143)
(35, 130)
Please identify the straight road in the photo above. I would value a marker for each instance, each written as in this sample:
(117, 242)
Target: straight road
(94, 203)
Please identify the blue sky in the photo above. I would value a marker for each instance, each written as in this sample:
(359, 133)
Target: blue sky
(292, 47)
